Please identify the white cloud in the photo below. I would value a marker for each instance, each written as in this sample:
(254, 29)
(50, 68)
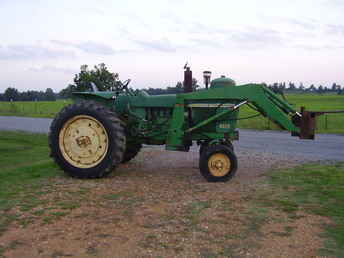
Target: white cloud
(89, 47)
(52, 69)
(163, 45)
(149, 41)
(29, 52)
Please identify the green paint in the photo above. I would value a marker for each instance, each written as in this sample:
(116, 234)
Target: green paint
(165, 119)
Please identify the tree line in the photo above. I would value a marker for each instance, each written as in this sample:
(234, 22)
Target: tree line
(101, 79)
(12, 94)
(292, 88)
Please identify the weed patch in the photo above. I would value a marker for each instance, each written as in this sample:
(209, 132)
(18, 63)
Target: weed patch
(25, 167)
(312, 188)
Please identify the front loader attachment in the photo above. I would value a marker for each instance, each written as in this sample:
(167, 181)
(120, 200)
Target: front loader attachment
(306, 121)
(302, 124)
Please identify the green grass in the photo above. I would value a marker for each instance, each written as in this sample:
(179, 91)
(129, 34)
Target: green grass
(317, 189)
(24, 166)
(32, 108)
(193, 213)
(330, 123)
(24, 157)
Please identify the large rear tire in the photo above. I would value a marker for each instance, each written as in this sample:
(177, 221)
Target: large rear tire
(218, 163)
(87, 140)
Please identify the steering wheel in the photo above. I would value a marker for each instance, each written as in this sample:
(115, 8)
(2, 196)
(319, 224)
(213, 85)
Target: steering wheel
(125, 84)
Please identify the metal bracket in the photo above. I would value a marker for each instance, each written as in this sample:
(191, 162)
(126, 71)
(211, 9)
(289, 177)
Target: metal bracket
(307, 122)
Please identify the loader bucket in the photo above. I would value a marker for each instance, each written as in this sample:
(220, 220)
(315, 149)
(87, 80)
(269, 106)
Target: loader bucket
(308, 124)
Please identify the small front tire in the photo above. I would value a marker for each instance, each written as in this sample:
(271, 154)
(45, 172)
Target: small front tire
(205, 145)
(218, 163)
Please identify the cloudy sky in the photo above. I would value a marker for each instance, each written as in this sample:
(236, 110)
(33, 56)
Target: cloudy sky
(44, 42)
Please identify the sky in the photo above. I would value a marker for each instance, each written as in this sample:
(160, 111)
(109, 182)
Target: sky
(43, 43)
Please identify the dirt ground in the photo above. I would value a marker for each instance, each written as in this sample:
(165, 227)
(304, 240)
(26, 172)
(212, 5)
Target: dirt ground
(158, 205)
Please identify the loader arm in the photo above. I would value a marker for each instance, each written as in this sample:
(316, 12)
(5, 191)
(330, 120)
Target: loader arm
(266, 102)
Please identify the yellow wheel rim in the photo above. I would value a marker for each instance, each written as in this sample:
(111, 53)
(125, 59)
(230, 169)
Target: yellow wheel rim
(219, 164)
(83, 141)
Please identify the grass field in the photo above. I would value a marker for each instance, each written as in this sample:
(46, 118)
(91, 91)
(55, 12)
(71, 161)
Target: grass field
(24, 164)
(32, 108)
(316, 189)
(330, 123)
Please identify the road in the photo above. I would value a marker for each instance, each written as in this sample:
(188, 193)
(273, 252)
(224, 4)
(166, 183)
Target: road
(28, 124)
(325, 147)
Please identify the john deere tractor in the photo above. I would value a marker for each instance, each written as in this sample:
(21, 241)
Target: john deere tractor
(101, 130)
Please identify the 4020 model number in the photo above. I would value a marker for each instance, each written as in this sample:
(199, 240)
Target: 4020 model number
(224, 126)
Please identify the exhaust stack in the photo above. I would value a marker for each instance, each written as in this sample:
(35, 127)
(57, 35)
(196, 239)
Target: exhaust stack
(187, 79)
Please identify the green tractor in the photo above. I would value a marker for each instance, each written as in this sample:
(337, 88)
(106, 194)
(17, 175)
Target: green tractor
(101, 130)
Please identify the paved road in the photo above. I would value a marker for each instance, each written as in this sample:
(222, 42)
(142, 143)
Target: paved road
(35, 125)
(325, 147)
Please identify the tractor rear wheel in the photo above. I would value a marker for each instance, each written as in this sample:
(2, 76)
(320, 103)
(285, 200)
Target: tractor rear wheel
(132, 149)
(87, 140)
(218, 163)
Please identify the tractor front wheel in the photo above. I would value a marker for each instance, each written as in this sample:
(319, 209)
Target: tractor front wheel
(205, 145)
(87, 140)
(218, 163)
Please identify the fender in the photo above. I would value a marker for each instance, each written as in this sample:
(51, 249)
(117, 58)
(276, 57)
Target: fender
(105, 97)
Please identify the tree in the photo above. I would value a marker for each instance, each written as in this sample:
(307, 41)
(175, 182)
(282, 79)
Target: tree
(194, 84)
(311, 89)
(99, 75)
(67, 92)
(320, 89)
(291, 86)
(11, 94)
(179, 85)
(179, 88)
(50, 95)
(301, 87)
(281, 86)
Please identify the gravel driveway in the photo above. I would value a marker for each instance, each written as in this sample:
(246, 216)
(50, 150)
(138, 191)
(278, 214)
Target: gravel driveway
(325, 147)
(158, 205)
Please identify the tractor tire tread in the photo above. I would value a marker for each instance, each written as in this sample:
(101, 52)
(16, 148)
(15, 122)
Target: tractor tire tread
(113, 126)
(203, 162)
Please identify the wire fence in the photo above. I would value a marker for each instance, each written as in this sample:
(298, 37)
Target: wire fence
(326, 123)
